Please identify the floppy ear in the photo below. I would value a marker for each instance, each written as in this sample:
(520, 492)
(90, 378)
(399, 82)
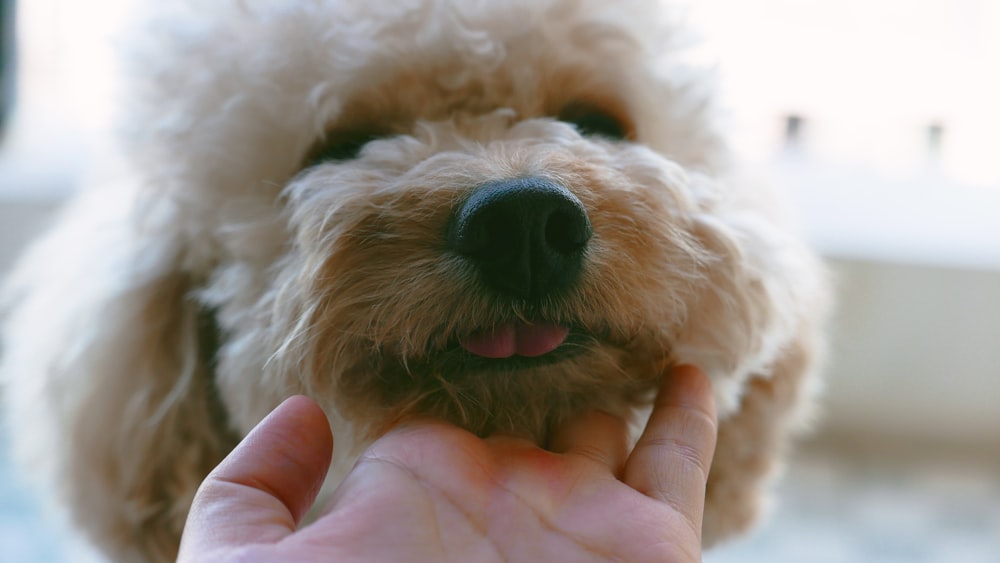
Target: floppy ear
(754, 440)
(756, 329)
(108, 379)
(150, 427)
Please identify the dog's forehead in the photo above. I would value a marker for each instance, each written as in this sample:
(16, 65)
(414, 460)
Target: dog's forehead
(330, 52)
(265, 79)
(451, 61)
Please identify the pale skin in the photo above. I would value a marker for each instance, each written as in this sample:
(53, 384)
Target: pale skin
(429, 491)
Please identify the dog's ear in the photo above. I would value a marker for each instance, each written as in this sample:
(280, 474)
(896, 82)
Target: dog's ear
(753, 441)
(108, 382)
(153, 427)
(756, 330)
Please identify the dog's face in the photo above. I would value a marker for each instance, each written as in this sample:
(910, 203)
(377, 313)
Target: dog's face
(483, 215)
(492, 270)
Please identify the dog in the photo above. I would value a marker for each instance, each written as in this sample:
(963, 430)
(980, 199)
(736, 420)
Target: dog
(494, 212)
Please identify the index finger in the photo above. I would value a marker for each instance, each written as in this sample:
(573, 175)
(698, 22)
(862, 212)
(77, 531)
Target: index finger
(672, 458)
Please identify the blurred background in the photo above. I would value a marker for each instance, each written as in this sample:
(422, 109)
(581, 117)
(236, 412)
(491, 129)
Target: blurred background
(881, 121)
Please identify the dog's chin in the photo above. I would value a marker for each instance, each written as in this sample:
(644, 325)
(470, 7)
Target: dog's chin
(524, 389)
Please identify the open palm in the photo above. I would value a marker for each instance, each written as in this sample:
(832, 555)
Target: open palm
(429, 491)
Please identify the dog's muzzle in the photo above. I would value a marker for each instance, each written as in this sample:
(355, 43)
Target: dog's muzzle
(526, 236)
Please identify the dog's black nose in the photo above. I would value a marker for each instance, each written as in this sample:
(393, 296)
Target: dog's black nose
(526, 236)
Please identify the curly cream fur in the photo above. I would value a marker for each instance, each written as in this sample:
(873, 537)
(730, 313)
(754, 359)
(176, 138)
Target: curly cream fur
(331, 280)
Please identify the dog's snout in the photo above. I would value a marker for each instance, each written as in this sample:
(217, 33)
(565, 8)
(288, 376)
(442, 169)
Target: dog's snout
(526, 236)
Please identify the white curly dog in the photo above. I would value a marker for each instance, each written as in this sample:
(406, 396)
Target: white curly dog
(495, 212)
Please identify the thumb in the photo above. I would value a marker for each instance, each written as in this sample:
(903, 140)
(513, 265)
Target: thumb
(672, 458)
(261, 491)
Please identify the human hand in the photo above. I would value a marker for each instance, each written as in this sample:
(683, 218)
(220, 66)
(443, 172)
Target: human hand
(429, 491)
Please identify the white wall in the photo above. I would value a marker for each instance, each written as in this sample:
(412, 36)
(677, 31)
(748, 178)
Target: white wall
(20, 222)
(915, 355)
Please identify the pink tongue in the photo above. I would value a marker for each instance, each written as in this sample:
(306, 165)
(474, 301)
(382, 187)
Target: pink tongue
(521, 340)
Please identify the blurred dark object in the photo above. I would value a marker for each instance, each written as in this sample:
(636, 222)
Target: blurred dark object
(7, 61)
(793, 130)
(935, 136)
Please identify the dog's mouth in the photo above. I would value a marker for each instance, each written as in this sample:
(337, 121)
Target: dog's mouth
(517, 345)
(516, 339)
(508, 346)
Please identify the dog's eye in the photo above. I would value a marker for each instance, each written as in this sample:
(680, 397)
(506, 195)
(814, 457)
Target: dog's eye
(592, 120)
(339, 146)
